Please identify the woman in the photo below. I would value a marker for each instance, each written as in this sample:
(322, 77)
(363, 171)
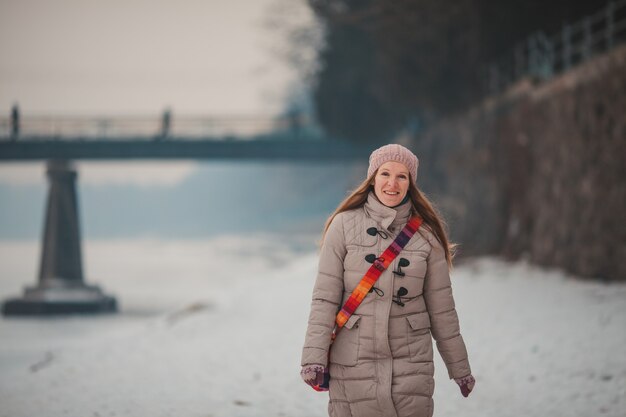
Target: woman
(381, 362)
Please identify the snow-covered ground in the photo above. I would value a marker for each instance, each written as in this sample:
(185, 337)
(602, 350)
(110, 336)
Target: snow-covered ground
(207, 329)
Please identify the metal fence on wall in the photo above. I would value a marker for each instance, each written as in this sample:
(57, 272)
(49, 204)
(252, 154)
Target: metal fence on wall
(541, 56)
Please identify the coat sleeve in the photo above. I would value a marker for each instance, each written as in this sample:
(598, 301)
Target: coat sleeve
(327, 295)
(443, 317)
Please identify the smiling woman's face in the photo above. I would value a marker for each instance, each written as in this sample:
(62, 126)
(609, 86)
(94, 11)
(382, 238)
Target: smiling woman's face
(391, 183)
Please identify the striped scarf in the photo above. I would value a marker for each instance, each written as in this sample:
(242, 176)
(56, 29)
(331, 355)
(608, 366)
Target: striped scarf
(377, 268)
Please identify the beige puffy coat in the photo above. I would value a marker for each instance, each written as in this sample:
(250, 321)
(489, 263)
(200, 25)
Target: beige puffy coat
(381, 362)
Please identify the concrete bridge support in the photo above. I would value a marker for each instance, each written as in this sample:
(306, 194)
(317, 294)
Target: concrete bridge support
(61, 288)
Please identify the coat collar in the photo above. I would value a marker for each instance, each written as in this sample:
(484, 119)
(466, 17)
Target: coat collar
(387, 216)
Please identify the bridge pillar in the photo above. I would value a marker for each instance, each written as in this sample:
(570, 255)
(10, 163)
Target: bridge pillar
(60, 289)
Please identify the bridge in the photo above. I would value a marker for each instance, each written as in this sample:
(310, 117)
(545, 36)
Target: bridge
(61, 288)
(291, 137)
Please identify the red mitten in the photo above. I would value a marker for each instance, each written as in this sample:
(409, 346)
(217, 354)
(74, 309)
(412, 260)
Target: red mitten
(312, 374)
(466, 384)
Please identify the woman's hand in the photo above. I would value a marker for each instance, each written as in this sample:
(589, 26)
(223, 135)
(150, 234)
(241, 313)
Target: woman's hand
(313, 374)
(466, 384)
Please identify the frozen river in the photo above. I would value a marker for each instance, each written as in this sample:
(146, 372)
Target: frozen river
(214, 328)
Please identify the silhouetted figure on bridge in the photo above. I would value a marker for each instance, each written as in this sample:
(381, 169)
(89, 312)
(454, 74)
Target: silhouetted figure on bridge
(166, 124)
(15, 122)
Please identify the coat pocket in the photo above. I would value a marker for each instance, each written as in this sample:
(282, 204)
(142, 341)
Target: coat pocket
(419, 338)
(345, 348)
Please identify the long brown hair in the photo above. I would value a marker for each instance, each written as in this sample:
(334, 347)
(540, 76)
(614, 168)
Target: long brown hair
(420, 205)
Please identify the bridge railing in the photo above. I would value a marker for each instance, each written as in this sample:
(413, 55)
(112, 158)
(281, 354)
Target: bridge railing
(541, 56)
(166, 126)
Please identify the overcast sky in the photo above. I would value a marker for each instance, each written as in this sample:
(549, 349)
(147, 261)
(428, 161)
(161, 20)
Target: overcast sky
(139, 56)
(136, 57)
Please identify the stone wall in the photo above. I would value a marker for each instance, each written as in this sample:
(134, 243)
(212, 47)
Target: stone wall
(538, 172)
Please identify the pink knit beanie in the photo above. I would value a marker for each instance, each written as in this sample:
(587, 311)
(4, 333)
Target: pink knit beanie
(393, 152)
